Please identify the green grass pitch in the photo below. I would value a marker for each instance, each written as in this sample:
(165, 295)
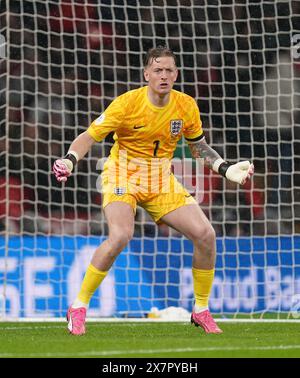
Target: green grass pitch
(149, 340)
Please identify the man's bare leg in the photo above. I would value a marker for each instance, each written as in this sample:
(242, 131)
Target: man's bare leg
(192, 223)
(120, 219)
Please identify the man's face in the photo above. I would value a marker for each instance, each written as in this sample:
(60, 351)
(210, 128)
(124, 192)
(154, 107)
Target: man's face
(161, 74)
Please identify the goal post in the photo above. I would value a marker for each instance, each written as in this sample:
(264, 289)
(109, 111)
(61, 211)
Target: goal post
(61, 64)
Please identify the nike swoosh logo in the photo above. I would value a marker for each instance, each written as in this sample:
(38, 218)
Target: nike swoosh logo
(187, 195)
(138, 126)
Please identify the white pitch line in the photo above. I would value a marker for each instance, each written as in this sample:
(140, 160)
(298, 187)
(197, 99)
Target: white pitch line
(10, 328)
(146, 320)
(137, 324)
(151, 351)
(62, 326)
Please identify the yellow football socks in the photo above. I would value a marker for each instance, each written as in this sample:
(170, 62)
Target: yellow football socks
(203, 280)
(92, 279)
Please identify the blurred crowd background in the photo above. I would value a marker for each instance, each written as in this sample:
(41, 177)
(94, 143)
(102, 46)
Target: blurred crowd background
(67, 60)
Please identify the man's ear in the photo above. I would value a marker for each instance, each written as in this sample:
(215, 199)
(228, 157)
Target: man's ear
(146, 75)
(176, 74)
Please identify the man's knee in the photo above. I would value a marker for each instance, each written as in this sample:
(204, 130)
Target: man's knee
(204, 234)
(119, 238)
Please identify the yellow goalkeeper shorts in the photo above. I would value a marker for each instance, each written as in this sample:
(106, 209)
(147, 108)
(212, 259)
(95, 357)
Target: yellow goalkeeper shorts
(156, 204)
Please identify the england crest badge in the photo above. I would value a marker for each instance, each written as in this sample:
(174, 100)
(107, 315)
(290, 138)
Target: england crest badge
(176, 126)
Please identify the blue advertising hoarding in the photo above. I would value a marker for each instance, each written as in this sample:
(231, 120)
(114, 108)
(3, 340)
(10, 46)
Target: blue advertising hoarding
(40, 275)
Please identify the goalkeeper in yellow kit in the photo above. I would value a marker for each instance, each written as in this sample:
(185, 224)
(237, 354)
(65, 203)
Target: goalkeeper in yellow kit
(147, 124)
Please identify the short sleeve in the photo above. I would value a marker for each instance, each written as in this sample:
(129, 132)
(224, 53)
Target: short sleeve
(193, 131)
(108, 121)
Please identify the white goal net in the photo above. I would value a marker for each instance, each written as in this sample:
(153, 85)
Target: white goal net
(61, 64)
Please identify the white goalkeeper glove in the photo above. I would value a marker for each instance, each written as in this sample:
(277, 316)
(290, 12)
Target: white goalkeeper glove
(239, 172)
(62, 168)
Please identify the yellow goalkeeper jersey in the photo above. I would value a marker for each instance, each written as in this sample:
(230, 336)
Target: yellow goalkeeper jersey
(146, 132)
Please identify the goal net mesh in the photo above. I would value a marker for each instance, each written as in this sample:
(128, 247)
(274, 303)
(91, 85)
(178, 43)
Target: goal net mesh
(61, 64)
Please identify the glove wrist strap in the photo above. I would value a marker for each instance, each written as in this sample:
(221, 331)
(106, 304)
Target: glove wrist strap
(72, 158)
(223, 168)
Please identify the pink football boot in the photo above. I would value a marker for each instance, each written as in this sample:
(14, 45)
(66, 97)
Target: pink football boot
(76, 320)
(205, 320)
